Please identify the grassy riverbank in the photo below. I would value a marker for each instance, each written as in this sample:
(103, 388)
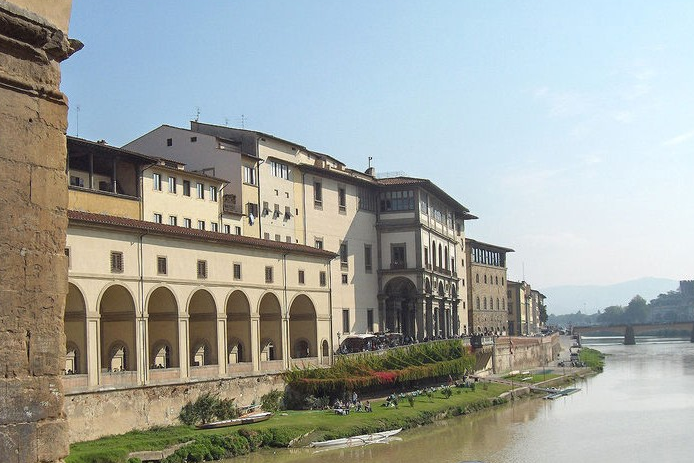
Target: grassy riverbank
(593, 359)
(285, 427)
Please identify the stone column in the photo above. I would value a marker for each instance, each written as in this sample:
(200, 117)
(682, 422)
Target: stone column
(429, 317)
(420, 314)
(33, 201)
(286, 357)
(184, 346)
(142, 350)
(222, 355)
(255, 342)
(93, 350)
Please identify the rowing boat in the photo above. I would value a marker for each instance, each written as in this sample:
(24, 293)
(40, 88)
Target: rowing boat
(249, 418)
(562, 393)
(365, 439)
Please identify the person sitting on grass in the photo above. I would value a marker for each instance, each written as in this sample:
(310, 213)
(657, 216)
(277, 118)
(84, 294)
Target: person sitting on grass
(358, 406)
(367, 406)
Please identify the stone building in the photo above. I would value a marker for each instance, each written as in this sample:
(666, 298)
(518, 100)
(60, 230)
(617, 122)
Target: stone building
(33, 120)
(486, 287)
(520, 312)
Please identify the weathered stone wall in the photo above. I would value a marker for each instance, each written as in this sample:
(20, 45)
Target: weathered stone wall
(95, 414)
(33, 199)
(520, 353)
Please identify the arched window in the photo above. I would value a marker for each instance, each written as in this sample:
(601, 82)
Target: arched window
(484, 302)
(440, 257)
(498, 307)
(485, 279)
(477, 277)
(478, 303)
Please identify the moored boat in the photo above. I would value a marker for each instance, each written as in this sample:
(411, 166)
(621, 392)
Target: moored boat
(364, 439)
(250, 418)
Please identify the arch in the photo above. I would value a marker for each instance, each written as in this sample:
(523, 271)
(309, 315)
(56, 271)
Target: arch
(325, 347)
(238, 335)
(445, 260)
(117, 309)
(427, 285)
(400, 298)
(442, 291)
(477, 303)
(203, 328)
(162, 328)
(270, 312)
(75, 327)
(303, 334)
(440, 257)
(484, 302)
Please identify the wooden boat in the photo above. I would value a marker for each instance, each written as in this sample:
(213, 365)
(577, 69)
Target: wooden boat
(249, 418)
(562, 393)
(364, 439)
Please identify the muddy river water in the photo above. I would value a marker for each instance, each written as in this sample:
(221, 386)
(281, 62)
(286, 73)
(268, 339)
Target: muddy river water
(641, 409)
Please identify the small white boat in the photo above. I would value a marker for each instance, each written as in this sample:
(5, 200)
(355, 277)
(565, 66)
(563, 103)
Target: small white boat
(249, 418)
(365, 439)
(562, 393)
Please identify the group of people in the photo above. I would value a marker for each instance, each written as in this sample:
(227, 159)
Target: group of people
(343, 408)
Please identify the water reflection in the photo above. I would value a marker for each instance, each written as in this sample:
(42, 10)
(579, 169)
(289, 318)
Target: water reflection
(640, 409)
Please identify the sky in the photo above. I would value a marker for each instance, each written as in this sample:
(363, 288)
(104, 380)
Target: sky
(566, 127)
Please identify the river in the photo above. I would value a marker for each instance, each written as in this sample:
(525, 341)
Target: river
(641, 409)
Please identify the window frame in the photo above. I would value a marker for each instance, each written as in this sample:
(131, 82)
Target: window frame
(202, 269)
(117, 262)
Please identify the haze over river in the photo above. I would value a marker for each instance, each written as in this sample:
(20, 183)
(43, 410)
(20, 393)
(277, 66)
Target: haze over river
(641, 409)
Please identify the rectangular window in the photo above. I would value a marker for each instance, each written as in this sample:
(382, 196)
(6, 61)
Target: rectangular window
(67, 255)
(227, 229)
(237, 230)
(288, 239)
(193, 139)
(169, 142)
(173, 220)
(366, 200)
(266, 235)
(76, 181)
(116, 262)
(157, 218)
(202, 269)
(426, 257)
(318, 194)
(397, 256)
(186, 187)
(279, 169)
(172, 184)
(268, 274)
(237, 271)
(345, 321)
(200, 187)
(252, 211)
(156, 181)
(249, 175)
(201, 224)
(367, 258)
(342, 199)
(322, 279)
(318, 243)
(345, 279)
(214, 226)
(301, 277)
(278, 237)
(370, 320)
(343, 256)
(187, 223)
(397, 201)
(213, 193)
(161, 265)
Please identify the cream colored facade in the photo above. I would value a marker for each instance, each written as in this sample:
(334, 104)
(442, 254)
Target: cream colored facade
(519, 308)
(487, 287)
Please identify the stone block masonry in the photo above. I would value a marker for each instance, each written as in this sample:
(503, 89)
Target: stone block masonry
(33, 223)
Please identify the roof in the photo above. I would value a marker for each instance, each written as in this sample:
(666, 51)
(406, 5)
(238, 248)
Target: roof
(429, 185)
(487, 245)
(195, 234)
(76, 143)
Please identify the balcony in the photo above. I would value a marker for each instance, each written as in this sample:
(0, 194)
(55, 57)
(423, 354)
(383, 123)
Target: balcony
(398, 265)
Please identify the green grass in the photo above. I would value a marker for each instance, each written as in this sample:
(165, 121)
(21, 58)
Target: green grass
(289, 425)
(592, 358)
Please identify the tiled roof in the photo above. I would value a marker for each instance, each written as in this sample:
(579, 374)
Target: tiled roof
(195, 234)
(476, 243)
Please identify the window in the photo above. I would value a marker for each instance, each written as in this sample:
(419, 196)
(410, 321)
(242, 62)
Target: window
(268, 274)
(172, 184)
(370, 320)
(266, 208)
(301, 277)
(288, 239)
(214, 226)
(342, 199)
(187, 223)
(67, 255)
(202, 269)
(76, 181)
(426, 257)
(397, 201)
(345, 279)
(116, 262)
(237, 271)
(397, 256)
(276, 213)
(249, 175)
(157, 218)
(227, 229)
(366, 199)
(322, 278)
(279, 169)
(193, 139)
(343, 256)
(173, 220)
(200, 187)
(169, 142)
(496, 280)
(484, 303)
(485, 279)
(345, 320)
(201, 224)
(318, 243)
(367, 258)
(156, 181)
(186, 187)
(278, 237)
(252, 211)
(266, 235)
(237, 230)
(213, 193)
(477, 303)
(477, 277)
(317, 194)
(161, 265)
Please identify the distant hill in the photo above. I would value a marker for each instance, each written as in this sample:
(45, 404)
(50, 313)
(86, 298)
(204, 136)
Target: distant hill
(591, 298)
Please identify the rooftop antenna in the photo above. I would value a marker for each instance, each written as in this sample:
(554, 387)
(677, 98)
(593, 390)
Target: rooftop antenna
(370, 159)
(197, 113)
(243, 121)
(226, 122)
(77, 109)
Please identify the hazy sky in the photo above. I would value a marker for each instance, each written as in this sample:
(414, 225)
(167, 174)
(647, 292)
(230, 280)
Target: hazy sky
(567, 127)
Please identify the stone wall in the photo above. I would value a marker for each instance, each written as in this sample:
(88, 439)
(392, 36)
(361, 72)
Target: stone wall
(33, 200)
(521, 353)
(95, 414)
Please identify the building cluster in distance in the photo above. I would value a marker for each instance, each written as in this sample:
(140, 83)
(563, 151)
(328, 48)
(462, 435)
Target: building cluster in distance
(215, 251)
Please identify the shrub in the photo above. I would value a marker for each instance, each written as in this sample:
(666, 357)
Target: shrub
(447, 392)
(206, 408)
(134, 460)
(410, 399)
(272, 401)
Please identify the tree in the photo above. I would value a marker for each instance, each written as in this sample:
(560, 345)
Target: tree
(637, 310)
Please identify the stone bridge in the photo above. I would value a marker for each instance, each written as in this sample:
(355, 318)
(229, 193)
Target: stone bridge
(633, 329)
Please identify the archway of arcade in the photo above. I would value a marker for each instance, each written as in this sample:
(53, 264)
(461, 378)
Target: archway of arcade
(75, 332)
(302, 328)
(117, 309)
(401, 308)
(203, 329)
(163, 329)
(270, 328)
(238, 336)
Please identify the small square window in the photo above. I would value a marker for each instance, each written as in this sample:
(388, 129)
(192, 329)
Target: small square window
(202, 269)
(161, 265)
(266, 235)
(214, 226)
(193, 139)
(301, 277)
(157, 218)
(201, 224)
(278, 237)
(345, 279)
(187, 223)
(227, 229)
(116, 262)
(173, 220)
(288, 239)
(268, 274)
(237, 230)
(237, 271)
